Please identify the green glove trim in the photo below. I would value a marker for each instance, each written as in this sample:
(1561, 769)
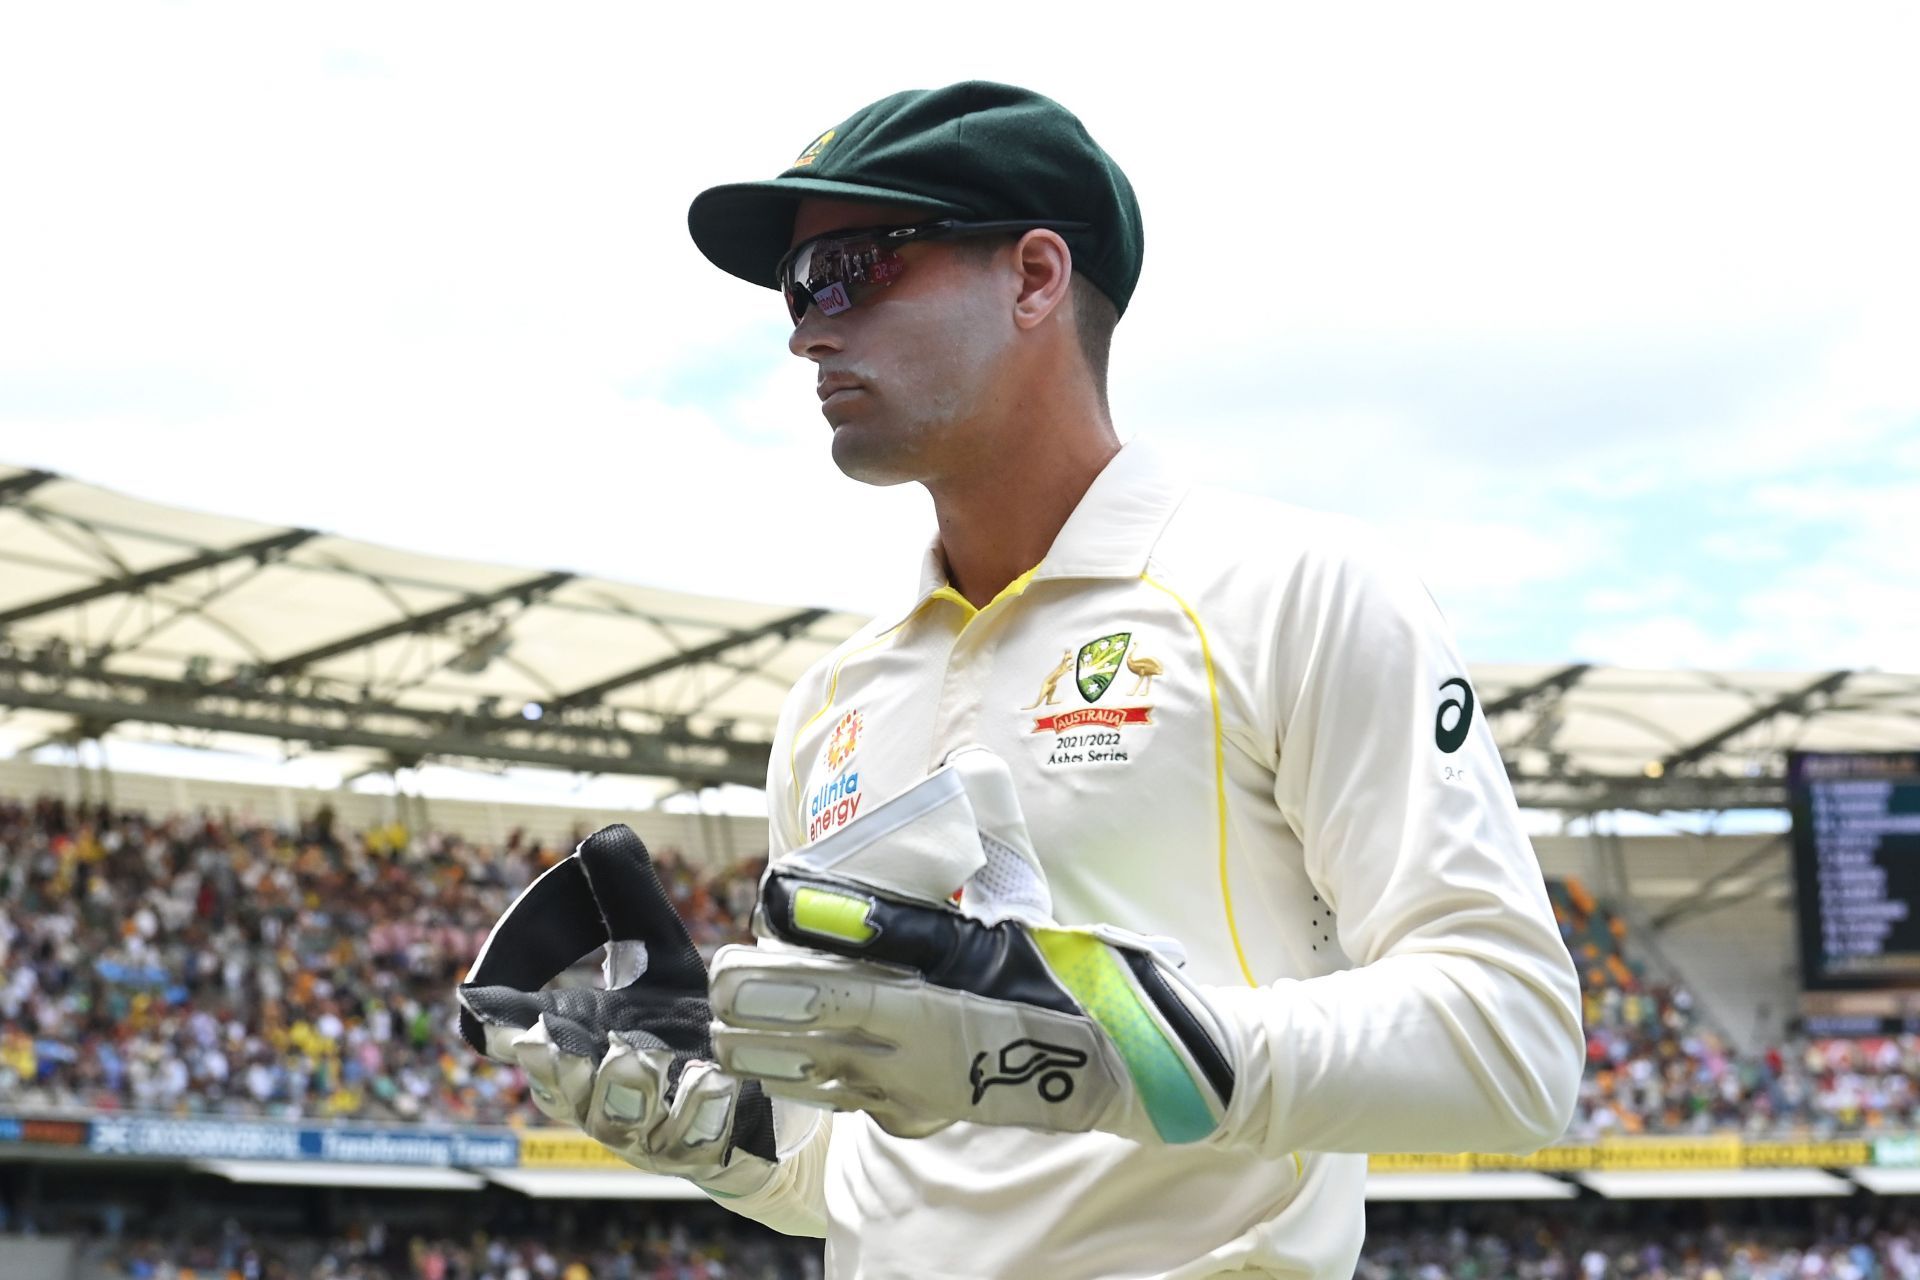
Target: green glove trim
(1087, 968)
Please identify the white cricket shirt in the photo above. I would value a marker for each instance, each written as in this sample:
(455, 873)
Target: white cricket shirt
(1239, 724)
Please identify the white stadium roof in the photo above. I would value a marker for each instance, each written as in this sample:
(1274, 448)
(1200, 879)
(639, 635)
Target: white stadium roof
(122, 617)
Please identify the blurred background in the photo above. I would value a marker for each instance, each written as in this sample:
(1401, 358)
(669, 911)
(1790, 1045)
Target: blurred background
(391, 494)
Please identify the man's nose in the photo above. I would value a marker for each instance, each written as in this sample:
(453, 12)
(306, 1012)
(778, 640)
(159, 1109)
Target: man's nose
(815, 336)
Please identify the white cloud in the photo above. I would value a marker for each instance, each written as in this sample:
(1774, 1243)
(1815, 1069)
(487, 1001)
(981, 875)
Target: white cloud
(1661, 641)
(1650, 595)
(1745, 548)
(1855, 602)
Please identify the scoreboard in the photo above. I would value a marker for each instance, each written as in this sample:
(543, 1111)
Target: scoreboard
(1856, 858)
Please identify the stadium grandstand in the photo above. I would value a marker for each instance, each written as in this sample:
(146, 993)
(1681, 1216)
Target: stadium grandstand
(226, 1044)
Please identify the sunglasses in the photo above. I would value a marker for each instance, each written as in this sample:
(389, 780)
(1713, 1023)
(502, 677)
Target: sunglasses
(838, 270)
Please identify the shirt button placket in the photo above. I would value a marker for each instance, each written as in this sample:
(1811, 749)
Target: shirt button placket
(969, 663)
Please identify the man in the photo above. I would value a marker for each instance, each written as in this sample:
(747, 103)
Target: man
(1226, 721)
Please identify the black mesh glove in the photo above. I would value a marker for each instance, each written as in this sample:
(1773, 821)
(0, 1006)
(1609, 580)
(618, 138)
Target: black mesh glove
(631, 1064)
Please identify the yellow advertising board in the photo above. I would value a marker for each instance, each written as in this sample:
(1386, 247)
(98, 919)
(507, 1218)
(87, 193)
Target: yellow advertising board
(1814, 1153)
(565, 1149)
(1718, 1151)
(568, 1149)
(1556, 1159)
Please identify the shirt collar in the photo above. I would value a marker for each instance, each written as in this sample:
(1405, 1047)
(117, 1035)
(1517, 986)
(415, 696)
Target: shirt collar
(1110, 534)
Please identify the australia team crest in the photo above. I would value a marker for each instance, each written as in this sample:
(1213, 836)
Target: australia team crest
(1099, 662)
(1091, 732)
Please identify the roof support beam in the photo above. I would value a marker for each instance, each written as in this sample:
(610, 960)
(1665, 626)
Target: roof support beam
(93, 694)
(427, 622)
(1705, 900)
(784, 627)
(259, 549)
(14, 488)
(1784, 705)
(1559, 682)
(1595, 793)
(595, 743)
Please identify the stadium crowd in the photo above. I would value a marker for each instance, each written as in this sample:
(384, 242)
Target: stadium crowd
(1656, 1064)
(1549, 1248)
(203, 965)
(374, 1253)
(1543, 1246)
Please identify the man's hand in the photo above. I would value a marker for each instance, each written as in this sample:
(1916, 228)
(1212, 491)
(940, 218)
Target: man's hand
(923, 1014)
(630, 1064)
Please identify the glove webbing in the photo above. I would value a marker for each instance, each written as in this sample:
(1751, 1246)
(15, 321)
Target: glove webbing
(557, 920)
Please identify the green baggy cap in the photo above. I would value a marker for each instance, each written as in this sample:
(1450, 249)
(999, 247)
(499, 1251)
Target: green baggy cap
(975, 150)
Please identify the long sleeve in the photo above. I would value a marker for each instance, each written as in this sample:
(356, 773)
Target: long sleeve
(794, 1200)
(1459, 1026)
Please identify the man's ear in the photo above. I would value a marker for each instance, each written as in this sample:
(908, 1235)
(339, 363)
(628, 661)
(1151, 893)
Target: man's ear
(1046, 274)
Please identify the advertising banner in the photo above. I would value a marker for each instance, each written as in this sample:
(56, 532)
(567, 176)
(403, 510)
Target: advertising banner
(240, 1140)
(411, 1146)
(196, 1139)
(1900, 1152)
(43, 1132)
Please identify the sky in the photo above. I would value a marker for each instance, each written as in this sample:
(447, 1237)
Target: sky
(1608, 315)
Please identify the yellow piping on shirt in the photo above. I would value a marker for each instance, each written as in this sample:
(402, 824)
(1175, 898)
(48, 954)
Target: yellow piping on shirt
(1220, 793)
(1007, 592)
(1012, 589)
(1219, 770)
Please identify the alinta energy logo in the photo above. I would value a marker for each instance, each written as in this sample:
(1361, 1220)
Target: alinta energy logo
(836, 802)
(844, 740)
(1095, 668)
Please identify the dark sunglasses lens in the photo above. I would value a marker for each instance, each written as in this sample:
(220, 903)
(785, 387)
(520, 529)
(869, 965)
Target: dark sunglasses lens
(827, 273)
(794, 278)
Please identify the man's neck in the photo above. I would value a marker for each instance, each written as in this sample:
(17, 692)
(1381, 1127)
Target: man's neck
(999, 522)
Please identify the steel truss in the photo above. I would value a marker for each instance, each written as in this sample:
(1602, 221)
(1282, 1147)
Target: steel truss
(598, 740)
(591, 737)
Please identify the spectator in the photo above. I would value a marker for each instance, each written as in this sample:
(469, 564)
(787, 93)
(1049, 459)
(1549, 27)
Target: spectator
(201, 965)
(1576, 1247)
(205, 966)
(720, 1253)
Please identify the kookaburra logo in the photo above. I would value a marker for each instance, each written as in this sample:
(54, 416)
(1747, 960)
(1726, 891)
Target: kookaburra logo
(1049, 1065)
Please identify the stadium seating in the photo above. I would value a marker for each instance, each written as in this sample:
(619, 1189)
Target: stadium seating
(1876, 1243)
(1879, 1244)
(1657, 1064)
(210, 966)
(706, 1253)
(203, 966)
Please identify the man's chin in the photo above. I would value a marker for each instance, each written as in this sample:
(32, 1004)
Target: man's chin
(863, 453)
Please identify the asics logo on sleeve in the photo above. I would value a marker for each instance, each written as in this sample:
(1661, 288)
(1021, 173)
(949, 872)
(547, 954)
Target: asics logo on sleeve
(1449, 738)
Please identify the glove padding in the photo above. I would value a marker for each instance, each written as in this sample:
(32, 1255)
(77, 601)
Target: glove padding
(922, 1014)
(631, 1064)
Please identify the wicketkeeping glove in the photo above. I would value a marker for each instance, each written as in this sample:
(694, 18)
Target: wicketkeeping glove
(631, 1064)
(923, 1013)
